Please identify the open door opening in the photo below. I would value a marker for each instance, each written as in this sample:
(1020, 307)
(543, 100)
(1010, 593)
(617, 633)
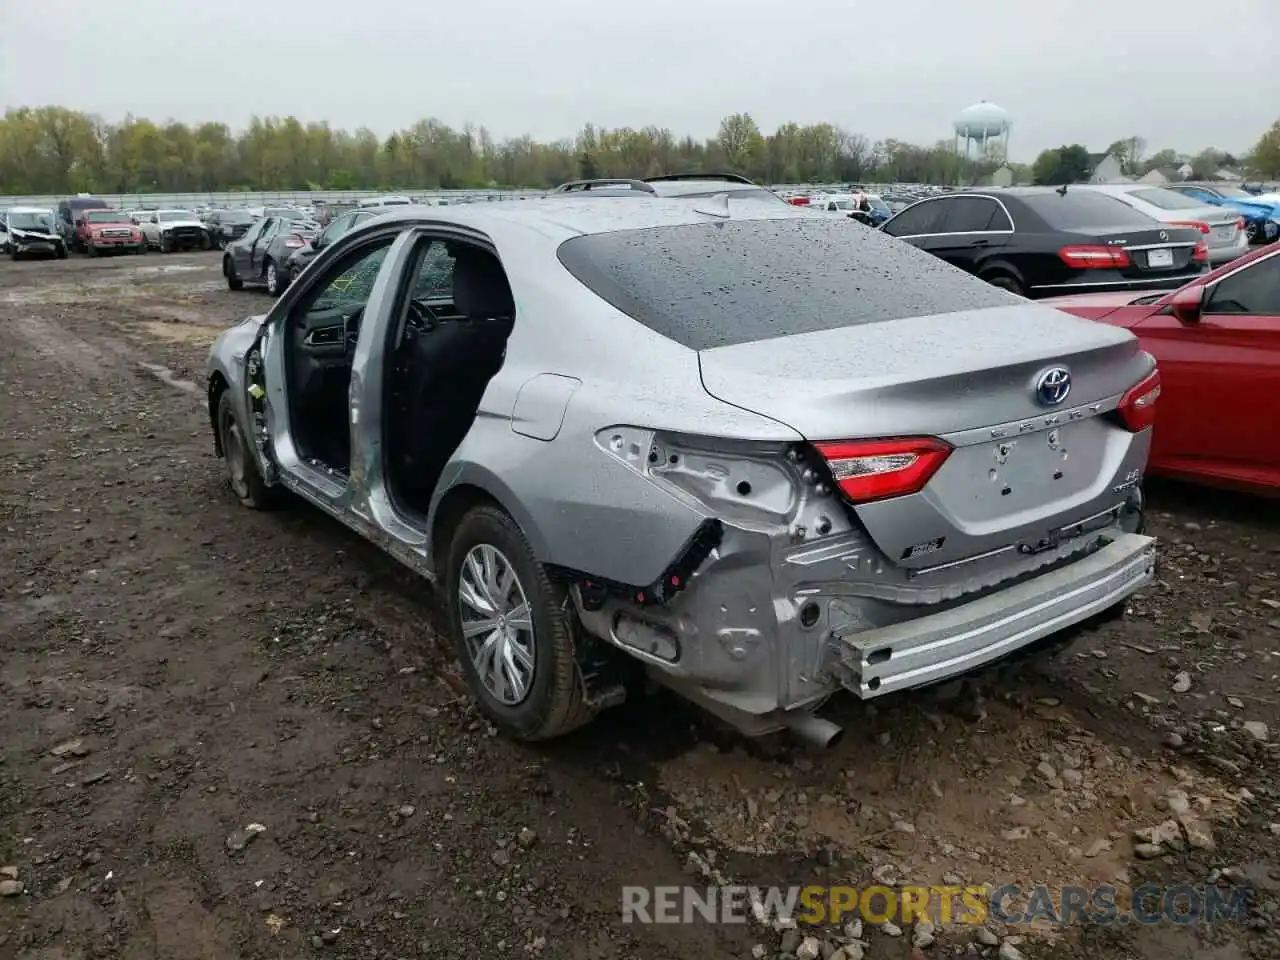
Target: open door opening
(321, 335)
(451, 341)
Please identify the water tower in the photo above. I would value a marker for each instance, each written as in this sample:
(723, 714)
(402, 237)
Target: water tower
(982, 126)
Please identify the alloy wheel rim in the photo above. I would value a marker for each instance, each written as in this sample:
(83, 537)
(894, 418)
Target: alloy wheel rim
(497, 624)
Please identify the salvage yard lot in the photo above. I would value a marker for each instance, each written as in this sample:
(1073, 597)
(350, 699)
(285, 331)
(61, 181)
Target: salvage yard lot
(174, 669)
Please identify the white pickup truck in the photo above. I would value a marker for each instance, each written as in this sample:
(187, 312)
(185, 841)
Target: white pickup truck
(168, 230)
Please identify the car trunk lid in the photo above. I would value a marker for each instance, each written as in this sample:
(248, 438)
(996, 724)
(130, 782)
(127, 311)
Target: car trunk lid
(1159, 251)
(1021, 470)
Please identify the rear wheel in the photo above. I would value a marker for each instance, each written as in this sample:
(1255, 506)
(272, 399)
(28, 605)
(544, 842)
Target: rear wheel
(229, 271)
(242, 470)
(512, 629)
(1006, 282)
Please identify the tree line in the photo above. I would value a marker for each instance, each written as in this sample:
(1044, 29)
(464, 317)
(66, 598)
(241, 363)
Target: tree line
(1072, 162)
(55, 150)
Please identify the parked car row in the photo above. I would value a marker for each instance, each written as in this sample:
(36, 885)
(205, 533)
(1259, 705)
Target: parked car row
(1261, 215)
(1045, 241)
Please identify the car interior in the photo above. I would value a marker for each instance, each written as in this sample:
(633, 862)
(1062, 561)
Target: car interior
(321, 338)
(456, 316)
(451, 343)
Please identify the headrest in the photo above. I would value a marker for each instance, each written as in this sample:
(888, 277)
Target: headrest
(480, 287)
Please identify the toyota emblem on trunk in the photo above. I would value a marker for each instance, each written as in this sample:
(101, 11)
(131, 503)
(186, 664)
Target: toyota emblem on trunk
(1053, 386)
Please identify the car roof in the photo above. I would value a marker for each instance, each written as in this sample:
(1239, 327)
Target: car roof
(1118, 187)
(1014, 191)
(27, 210)
(564, 216)
(679, 188)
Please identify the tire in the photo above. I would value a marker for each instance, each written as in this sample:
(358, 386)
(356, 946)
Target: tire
(165, 245)
(61, 252)
(221, 243)
(91, 250)
(271, 275)
(1006, 282)
(229, 271)
(552, 702)
(243, 478)
(140, 250)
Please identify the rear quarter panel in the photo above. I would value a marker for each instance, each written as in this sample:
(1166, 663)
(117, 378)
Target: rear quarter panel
(581, 507)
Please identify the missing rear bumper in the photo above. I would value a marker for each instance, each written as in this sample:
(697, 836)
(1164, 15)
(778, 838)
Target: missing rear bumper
(933, 648)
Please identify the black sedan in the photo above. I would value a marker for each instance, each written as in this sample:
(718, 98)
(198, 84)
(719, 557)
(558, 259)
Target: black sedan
(1050, 241)
(299, 258)
(261, 255)
(224, 226)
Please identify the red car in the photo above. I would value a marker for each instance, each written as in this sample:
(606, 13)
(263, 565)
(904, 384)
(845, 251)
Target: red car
(1217, 343)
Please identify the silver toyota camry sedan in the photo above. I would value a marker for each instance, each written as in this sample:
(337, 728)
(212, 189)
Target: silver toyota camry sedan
(758, 454)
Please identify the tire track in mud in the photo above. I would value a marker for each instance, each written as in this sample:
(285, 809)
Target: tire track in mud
(206, 655)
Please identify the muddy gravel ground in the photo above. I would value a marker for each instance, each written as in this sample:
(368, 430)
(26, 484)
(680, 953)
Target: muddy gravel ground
(226, 734)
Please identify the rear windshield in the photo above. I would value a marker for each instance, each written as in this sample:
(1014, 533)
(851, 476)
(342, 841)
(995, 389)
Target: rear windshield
(716, 284)
(1083, 209)
(1168, 199)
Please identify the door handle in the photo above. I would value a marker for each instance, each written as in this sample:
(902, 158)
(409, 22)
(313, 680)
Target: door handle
(980, 243)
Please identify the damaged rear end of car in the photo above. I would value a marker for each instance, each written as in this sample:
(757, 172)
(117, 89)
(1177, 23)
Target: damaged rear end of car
(964, 478)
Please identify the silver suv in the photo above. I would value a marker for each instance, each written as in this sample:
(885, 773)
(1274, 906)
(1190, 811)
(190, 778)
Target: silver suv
(765, 455)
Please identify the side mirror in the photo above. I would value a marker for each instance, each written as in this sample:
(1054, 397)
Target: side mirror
(1187, 304)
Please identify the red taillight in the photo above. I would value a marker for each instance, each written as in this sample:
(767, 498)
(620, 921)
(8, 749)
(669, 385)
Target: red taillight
(867, 470)
(1201, 252)
(1089, 257)
(293, 243)
(1138, 406)
(1193, 224)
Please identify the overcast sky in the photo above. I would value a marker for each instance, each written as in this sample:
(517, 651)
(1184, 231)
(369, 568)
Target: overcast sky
(1180, 74)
